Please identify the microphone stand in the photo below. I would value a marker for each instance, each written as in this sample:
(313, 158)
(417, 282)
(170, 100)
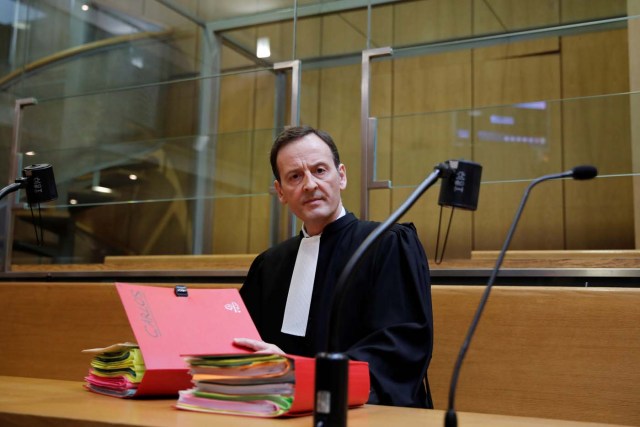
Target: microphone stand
(331, 381)
(581, 172)
(18, 184)
(354, 261)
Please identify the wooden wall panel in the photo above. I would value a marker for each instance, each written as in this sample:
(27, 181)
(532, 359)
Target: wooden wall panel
(339, 114)
(496, 16)
(470, 84)
(596, 131)
(425, 129)
(308, 38)
(243, 173)
(310, 97)
(344, 32)
(430, 20)
(258, 167)
(233, 150)
(500, 79)
(634, 86)
(595, 64)
(580, 10)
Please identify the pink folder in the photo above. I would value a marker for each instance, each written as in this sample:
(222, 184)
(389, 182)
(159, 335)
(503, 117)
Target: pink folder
(168, 326)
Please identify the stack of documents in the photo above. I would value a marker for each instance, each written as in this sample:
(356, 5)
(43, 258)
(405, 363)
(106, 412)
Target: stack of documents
(116, 370)
(262, 385)
(168, 324)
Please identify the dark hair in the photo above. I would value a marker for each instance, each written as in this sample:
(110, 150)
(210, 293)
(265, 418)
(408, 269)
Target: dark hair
(293, 133)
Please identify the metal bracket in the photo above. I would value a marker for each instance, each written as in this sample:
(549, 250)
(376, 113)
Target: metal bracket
(295, 87)
(13, 173)
(368, 132)
(294, 118)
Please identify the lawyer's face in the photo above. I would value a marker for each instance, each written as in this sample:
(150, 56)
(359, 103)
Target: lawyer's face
(310, 183)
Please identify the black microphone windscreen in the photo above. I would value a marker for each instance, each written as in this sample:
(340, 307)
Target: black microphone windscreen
(461, 188)
(41, 184)
(584, 172)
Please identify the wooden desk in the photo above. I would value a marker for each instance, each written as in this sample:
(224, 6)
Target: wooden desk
(41, 402)
(569, 353)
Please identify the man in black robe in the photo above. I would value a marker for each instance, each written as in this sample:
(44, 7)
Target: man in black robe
(386, 317)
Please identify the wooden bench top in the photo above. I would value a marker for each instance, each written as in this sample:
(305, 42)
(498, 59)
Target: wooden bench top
(548, 259)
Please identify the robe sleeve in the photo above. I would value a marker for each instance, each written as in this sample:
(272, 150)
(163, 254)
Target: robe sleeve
(251, 291)
(396, 324)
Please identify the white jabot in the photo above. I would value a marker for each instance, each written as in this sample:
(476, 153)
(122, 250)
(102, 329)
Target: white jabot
(296, 312)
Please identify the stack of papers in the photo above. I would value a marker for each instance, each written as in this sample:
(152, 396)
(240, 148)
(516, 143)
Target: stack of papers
(116, 370)
(261, 385)
(168, 324)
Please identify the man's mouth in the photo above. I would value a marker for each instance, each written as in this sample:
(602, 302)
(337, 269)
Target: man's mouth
(308, 201)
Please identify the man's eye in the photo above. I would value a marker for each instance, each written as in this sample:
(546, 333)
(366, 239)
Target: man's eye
(321, 171)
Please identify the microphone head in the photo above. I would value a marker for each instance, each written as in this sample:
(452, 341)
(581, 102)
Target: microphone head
(41, 185)
(584, 172)
(460, 185)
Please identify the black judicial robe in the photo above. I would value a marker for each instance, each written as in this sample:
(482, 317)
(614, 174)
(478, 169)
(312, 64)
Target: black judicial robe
(386, 311)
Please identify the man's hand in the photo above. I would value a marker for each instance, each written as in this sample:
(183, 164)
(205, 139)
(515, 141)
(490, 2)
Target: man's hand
(258, 346)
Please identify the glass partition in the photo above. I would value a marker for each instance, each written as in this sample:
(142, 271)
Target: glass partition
(140, 197)
(516, 144)
(158, 116)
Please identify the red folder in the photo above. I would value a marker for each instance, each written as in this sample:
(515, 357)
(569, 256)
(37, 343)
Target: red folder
(167, 326)
(358, 384)
(257, 403)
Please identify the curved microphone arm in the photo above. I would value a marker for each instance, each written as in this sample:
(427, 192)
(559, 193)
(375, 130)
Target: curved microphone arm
(20, 183)
(354, 261)
(579, 173)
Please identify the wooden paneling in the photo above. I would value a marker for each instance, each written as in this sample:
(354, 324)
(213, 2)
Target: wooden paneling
(595, 64)
(233, 183)
(424, 132)
(498, 16)
(242, 170)
(344, 32)
(339, 114)
(633, 30)
(597, 131)
(580, 10)
(310, 97)
(454, 94)
(426, 21)
(517, 143)
(567, 353)
(47, 325)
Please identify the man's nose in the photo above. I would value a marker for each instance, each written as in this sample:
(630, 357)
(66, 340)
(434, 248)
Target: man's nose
(309, 181)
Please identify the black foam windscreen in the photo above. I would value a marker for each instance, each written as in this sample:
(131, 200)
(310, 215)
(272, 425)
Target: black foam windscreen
(584, 172)
(41, 184)
(460, 186)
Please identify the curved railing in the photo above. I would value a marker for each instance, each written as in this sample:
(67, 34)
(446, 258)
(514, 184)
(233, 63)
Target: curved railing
(10, 78)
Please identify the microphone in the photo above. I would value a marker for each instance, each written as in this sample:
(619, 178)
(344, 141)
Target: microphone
(40, 185)
(461, 188)
(584, 172)
(39, 182)
(579, 173)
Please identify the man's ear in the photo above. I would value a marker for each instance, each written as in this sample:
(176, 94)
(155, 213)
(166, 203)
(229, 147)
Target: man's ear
(278, 187)
(342, 171)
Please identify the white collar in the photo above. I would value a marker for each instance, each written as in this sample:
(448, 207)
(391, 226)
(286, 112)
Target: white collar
(343, 212)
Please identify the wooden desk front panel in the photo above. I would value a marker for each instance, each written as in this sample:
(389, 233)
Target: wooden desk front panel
(568, 353)
(45, 326)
